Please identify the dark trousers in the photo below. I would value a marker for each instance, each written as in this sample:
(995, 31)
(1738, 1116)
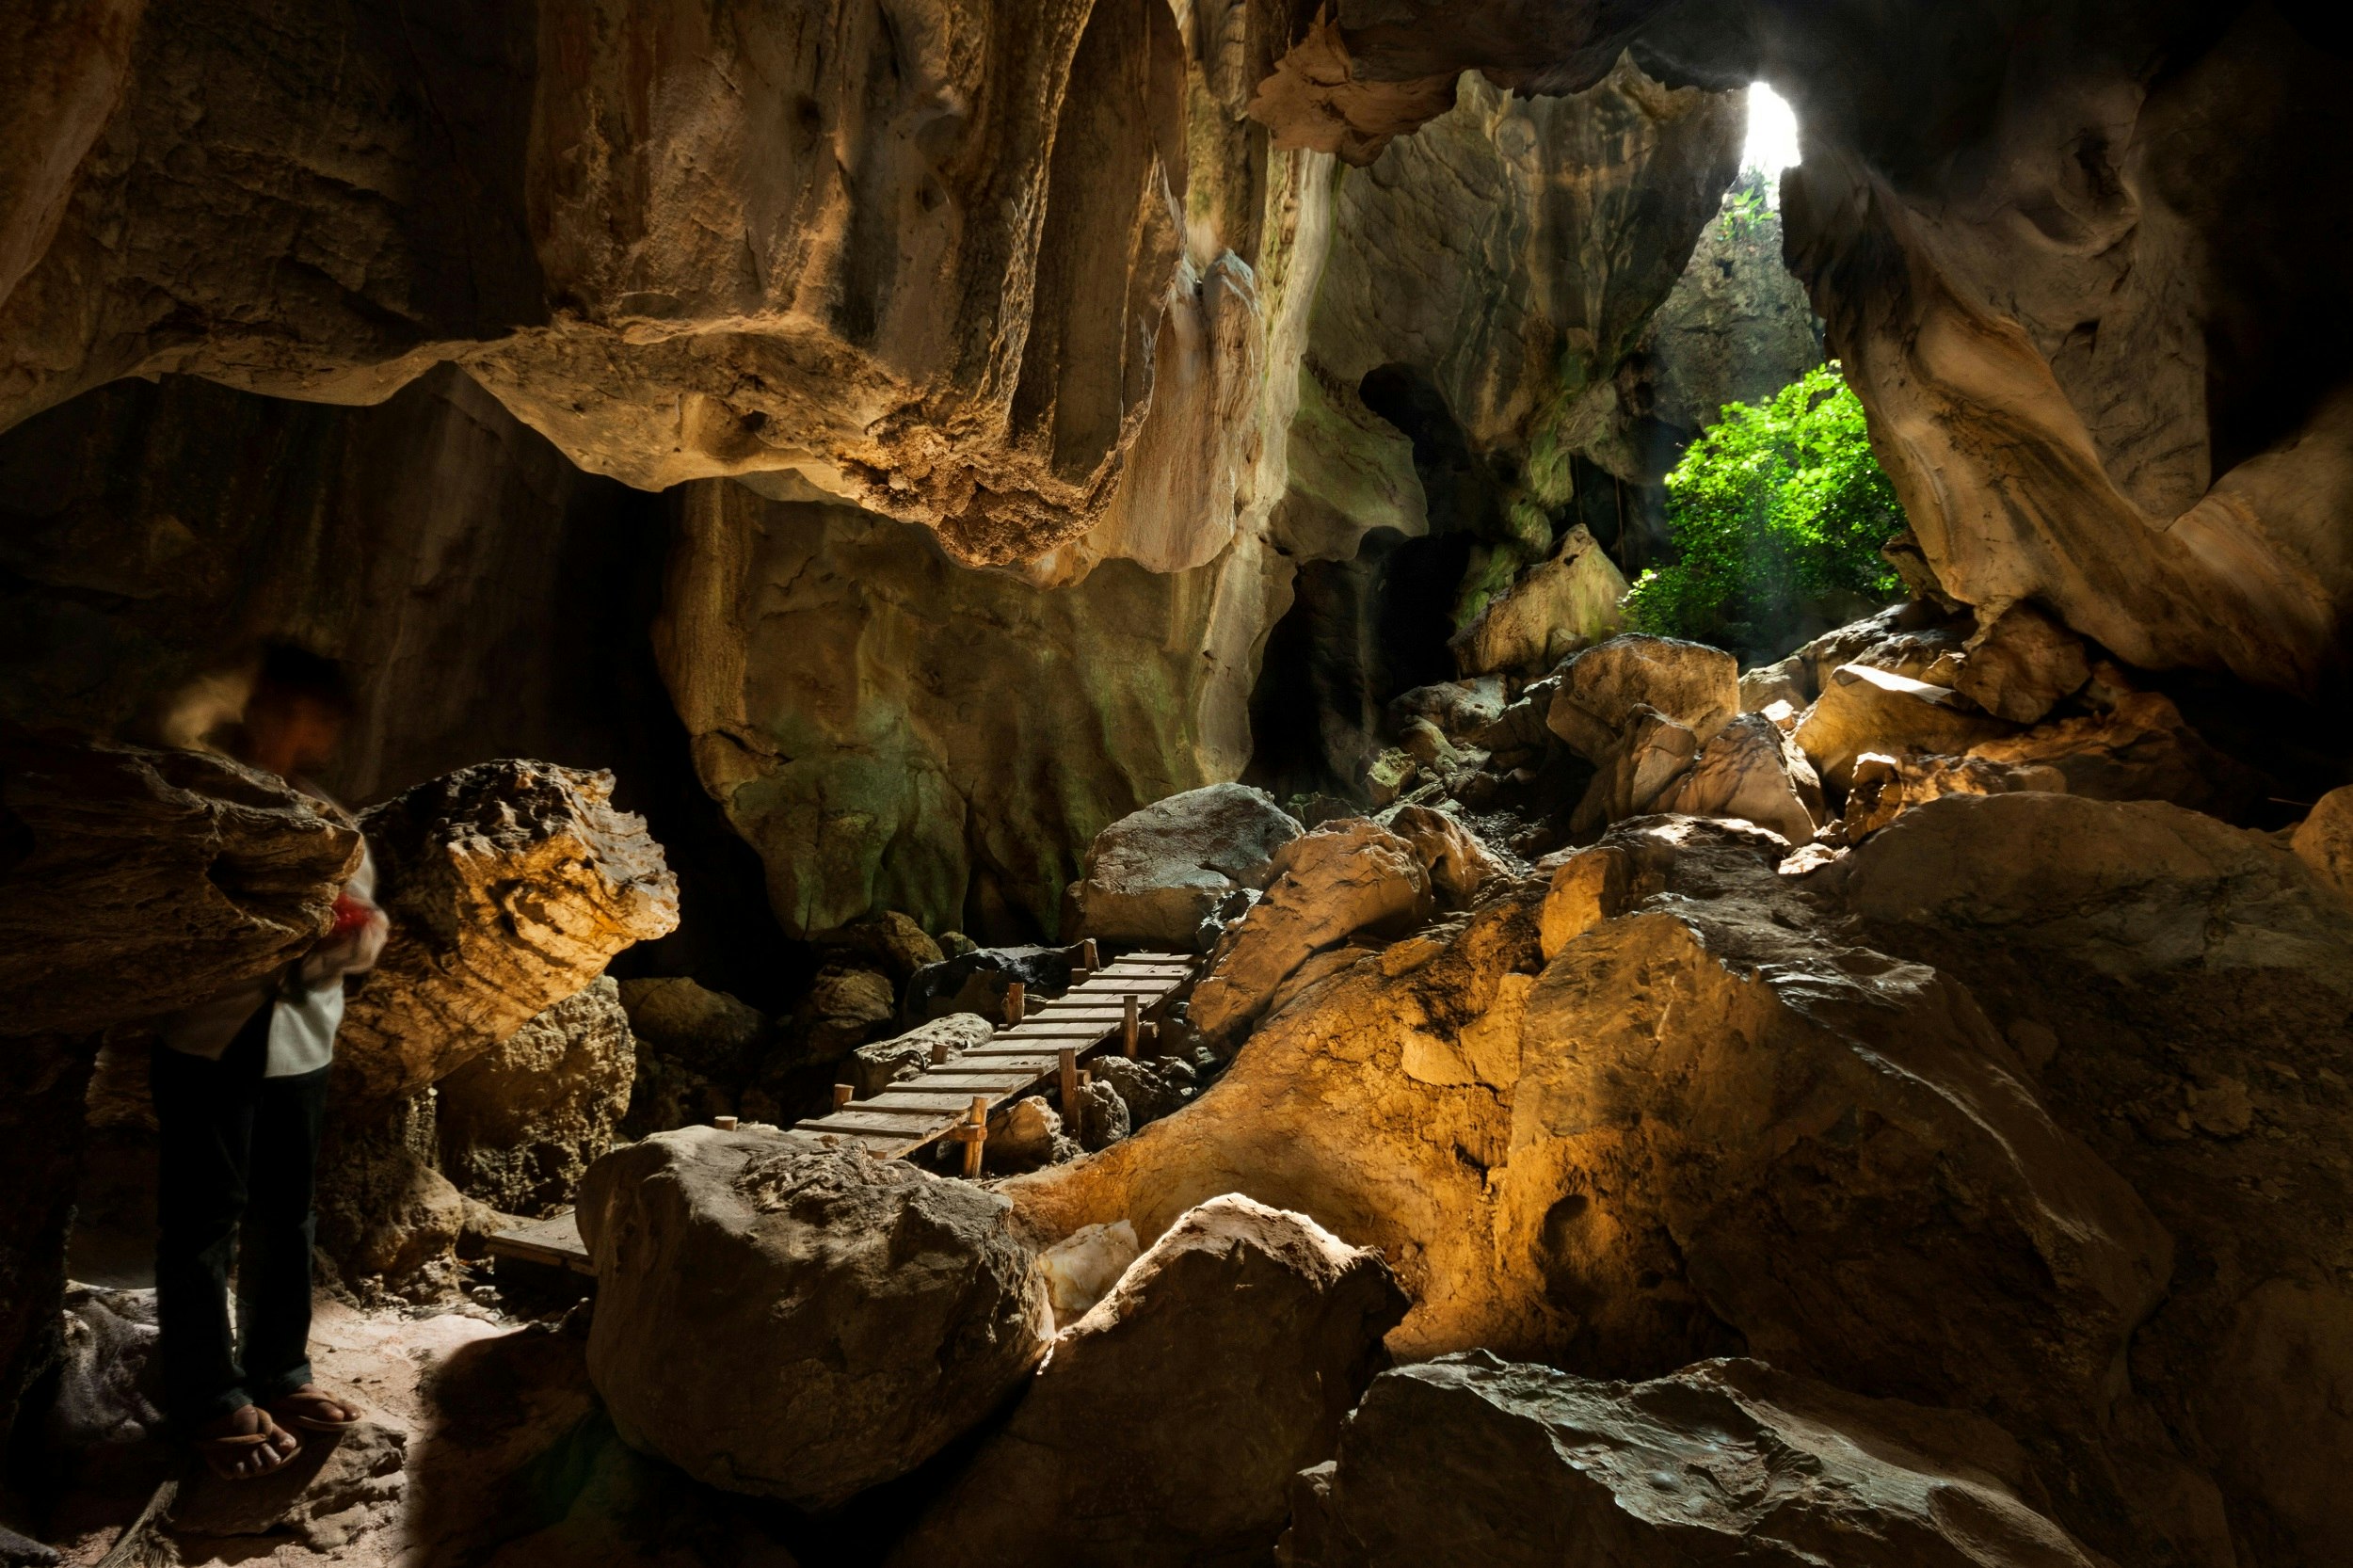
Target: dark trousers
(237, 1149)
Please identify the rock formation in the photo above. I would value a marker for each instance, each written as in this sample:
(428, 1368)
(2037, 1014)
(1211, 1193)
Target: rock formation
(1168, 1422)
(509, 885)
(781, 1317)
(1471, 1459)
(520, 1125)
(1154, 874)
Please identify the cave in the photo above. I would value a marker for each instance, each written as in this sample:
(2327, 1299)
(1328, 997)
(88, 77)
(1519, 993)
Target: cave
(998, 783)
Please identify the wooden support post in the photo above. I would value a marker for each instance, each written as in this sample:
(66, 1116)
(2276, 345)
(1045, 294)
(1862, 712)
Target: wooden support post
(841, 1092)
(1152, 1038)
(979, 1135)
(940, 1053)
(1069, 1060)
(1088, 957)
(1016, 1004)
(1130, 1026)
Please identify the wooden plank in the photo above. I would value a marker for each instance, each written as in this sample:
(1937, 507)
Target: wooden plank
(554, 1242)
(937, 1101)
(895, 1124)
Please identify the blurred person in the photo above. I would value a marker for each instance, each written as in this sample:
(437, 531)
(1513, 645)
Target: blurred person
(240, 1092)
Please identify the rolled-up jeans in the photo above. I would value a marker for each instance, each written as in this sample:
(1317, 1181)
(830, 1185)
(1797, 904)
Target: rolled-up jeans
(238, 1151)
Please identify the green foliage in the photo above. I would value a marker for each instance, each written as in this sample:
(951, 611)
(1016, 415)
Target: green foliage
(1746, 211)
(1778, 515)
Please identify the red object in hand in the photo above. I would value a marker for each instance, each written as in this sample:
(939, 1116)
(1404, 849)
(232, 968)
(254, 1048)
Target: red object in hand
(350, 914)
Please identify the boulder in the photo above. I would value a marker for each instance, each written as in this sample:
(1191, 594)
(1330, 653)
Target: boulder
(1460, 708)
(1080, 1270)
(780, 1317)
(139, 881)
(1459, 865)
(1100, 1116)
(2019, 665)
(2122, 887)
(385, 1209)
(1150, 1088)
(1473, 1459)
(1788, 682)
(1428, 745)
(889, 941)
(1168, 1426)
(1389, 774)
(2323, 840)
(1883, 788)
(708, 1031)
(1150, 876)
(1752, 771)
(1343, 878)
(1652, 755)
(845, 1008)
(521, 1123)
(976, 982)
(1696, 686)
(1563, 605)
(2139, 748)
(1026, 1134)
(510, 885)
(1864, 709)
(871, 1069)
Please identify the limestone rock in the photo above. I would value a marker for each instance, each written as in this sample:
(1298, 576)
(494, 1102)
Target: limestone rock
(889, 941)
(1697, 687)
(385, 1209)
(1101, 1118)
(1472, 1459)
(2142, 748)
(1027, 1134)
(793, 1321)
(1428, 745)
(1568, 602)
(141, 881)
(1652, 756)
(521, 1123)
(1460, 709)
(542, 238)
(708, 1030)
(874, 1068)
(977, 982)
(1343, 878)
(1788, 682)
(2123, 888)
(1150, 876)
(509, 886)
(1883, 788)
(1709, 1109)
(1150, 1090)
(844, 1009)
(1245, 1332)
(1752, 771)
(1864, 709)
(1459, 865)
(2020, 663)
(2323, 840)
(1080, 1270)
(109, 1390)
(1391, 775)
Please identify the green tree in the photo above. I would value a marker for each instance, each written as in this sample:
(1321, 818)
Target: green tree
(1778, 515)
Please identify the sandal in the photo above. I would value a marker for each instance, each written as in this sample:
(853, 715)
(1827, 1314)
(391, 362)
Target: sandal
(248, 1455)
(307, 1408)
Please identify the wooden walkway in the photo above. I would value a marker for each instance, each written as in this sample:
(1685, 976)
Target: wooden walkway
(953, 1098)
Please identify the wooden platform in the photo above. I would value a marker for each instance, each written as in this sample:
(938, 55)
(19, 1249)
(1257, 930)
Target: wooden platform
(554, 1242)
(1085, 1019)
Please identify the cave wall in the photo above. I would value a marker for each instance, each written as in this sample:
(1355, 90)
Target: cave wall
(915, 249)
(489, 598)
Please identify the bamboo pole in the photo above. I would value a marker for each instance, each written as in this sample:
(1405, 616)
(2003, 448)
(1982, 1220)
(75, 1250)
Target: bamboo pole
(978, 1117)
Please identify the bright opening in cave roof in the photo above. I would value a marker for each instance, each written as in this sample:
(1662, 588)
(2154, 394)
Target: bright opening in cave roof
(1772, 144)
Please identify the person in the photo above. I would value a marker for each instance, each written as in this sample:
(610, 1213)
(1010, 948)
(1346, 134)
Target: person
(240, 1091)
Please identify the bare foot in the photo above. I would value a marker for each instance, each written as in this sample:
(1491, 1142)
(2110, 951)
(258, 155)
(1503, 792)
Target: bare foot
(313, 1409)
(246, 1443)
